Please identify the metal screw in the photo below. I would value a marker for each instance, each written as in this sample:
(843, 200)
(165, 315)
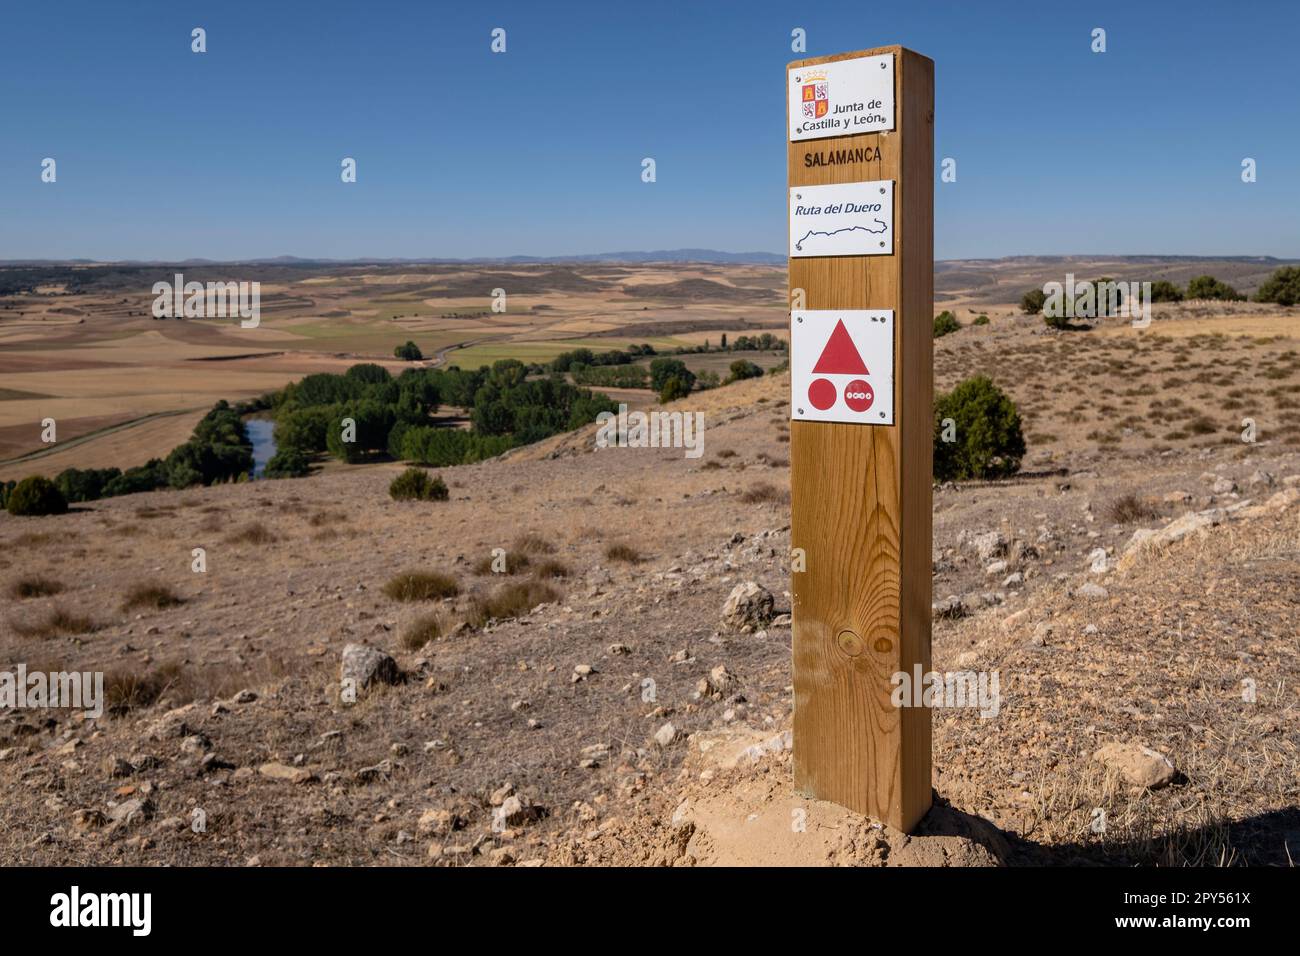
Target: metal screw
(801, 411)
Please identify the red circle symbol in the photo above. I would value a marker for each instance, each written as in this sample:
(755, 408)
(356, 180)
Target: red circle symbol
(821, 393)
(858, 395)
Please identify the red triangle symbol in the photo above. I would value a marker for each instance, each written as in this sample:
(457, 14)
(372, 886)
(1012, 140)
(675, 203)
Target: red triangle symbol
(840, 357)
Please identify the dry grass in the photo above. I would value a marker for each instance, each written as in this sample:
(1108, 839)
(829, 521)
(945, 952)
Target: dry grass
(34, 586)
(58, 623)
(421, 586)
(509, 601)
(623, 553)
(253, 533)
(551, 568)
(128, 689)
(151, 595)
(1129, 508)
(532, 543)
(764, 493)
(426, 628)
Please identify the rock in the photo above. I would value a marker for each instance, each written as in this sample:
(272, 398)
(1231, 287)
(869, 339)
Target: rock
(581, 672)
(131, 813)
(515, 812)
(365, 665)
(950, 608)
(666, 735)
(618, 649)
(1145, 540)
(499, 795)
(718, 684)
(990, 545)
(89, 819)
(1013, 580)
(1224, 486)
(1138, 765)
(1261, 477)
(438, 823)
(1177, 497)
(118, 767)
(279, 771)
(1093, 592)
(996, 567)
(248, 696)
(749, 607)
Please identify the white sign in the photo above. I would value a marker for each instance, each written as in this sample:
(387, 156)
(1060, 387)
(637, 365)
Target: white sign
(842, 98)
(842, 366)
(843, 219)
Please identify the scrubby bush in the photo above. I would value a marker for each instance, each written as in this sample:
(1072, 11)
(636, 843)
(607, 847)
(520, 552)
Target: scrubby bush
(742, 369)
(36, 496)
(421, 586)
(945, 323)
(988, 441)
(89, 484)
(662, 369)
(1208, 287)
(981, 320)
(410, 352)
(1031, 303)
(674, 389)
(287, 463)
(510, 600)
(1282, 287)
(414, 484)
(1162, 290)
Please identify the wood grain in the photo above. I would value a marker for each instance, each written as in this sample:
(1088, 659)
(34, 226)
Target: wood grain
(861, 494)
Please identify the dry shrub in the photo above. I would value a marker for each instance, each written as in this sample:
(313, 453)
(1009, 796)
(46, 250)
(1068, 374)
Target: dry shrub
(624, 553)
(57, 623)
(128, 689)
(421, 586)
(426, 628)
(510, 600)
(34, 586)
(532, 543)
(764, 493)
(1130, 507)
(254, 533)
(151, 595)
(551, 568)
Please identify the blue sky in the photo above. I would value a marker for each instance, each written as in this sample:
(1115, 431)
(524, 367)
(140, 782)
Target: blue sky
(166, 154)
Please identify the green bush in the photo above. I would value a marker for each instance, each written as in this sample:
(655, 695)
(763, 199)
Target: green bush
(287, 463)
(1282, 287)
(1162, 290)
(945, 323)
(988, 439)
(1208, 287)
(674, 389)
(662, 369)
(742, 369)
(36, 496)
(416, 485)
(981, 320)
(1031, 303)
(88, 484)
(410, 352)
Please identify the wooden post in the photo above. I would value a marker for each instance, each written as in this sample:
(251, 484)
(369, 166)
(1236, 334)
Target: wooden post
(860, 489)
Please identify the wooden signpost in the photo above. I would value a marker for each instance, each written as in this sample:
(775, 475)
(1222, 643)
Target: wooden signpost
(861, 140)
